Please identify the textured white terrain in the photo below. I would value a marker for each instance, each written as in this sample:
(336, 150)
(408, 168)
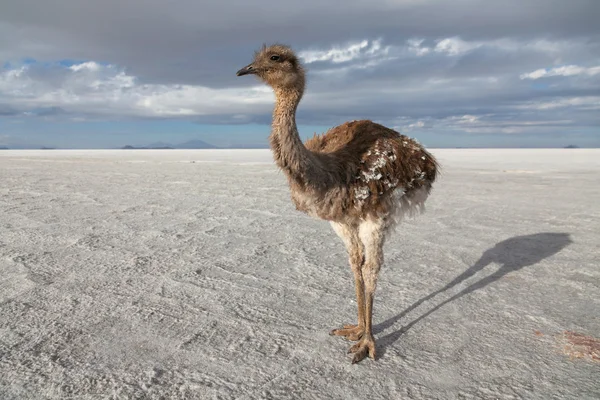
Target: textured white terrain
(189, 274)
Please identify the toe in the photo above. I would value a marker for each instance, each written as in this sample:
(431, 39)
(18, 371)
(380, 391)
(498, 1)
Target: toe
(355, 348)
(350, 332)
(359, 355)
(372, 352)
(339, 332)
(366, 346)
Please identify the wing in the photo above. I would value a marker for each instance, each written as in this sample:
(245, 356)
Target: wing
(377, 160)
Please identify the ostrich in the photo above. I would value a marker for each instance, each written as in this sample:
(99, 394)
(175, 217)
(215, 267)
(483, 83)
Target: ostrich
(360, 176)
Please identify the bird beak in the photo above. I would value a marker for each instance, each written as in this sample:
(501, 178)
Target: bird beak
(248, 69)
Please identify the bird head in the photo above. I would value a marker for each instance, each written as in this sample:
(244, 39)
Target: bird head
(277, 66)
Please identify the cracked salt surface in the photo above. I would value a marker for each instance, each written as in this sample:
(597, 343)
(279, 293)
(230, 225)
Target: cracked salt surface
(117, 283)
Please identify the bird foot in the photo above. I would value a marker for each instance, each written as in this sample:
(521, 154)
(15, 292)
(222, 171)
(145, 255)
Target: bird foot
(350, 332)
(365, 346)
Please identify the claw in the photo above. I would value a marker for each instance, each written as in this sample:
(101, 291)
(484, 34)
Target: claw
(355, 347)
(359, 356)
(350, 332)
(365, 346)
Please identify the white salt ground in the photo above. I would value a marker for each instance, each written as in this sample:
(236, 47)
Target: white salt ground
(189, 274)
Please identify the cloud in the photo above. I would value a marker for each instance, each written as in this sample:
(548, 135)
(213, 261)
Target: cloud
(7, 111)
(414, 46)
(366, 79)
(89, 66)
(96, 89)
(455, 46)
(587, 103)
(419, 65)
(488, 124)
(349, 52)
(196, 40)
(567, 70)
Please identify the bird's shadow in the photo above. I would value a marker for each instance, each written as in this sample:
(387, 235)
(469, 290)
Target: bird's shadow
(511, 254)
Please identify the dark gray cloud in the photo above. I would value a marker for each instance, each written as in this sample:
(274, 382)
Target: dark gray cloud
(460, 65)
(188, 41)
(7, 111)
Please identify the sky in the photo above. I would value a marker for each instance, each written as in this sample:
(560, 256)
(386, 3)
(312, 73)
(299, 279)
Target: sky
(461, 73)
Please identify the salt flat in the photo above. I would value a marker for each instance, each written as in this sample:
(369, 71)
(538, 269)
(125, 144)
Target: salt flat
(189, 274)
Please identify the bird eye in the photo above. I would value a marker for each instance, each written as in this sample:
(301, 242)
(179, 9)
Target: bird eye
(275, 58)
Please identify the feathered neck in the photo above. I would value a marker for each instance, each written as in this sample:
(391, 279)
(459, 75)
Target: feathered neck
(289, 152)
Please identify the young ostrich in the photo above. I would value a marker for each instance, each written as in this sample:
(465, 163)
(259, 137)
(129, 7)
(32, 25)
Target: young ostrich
(360, 176)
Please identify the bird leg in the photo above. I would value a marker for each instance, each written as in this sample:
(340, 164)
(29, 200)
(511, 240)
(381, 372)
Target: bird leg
(355, 332)
(371, 234)
(354, 246)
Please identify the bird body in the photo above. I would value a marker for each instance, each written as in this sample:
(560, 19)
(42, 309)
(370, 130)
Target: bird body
(361, 176)
(381, 171)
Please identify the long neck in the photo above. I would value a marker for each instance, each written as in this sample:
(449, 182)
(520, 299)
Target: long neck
(289, 152)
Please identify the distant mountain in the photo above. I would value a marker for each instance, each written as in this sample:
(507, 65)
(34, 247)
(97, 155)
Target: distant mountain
(129, 147)
(159, 145)
(571, 146)
(14, 146)
(4, 148)
(192, 144)
(195, 144)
